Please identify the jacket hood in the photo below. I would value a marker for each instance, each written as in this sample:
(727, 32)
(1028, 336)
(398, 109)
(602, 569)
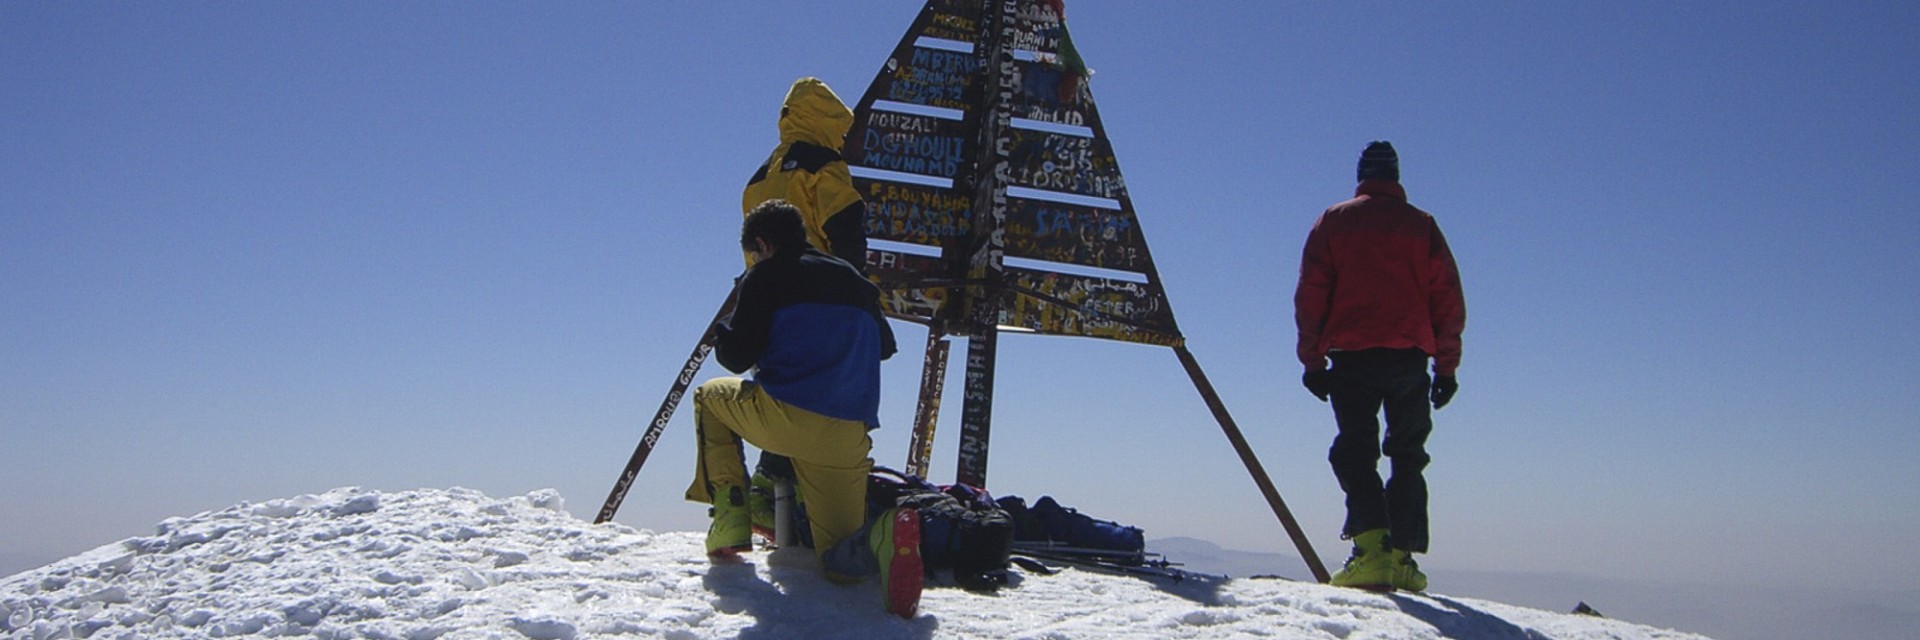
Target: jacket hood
(813, 114)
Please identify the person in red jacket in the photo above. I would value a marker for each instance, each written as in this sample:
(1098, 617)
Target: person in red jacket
(1379, 295)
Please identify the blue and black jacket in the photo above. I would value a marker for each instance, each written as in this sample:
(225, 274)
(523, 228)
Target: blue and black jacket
(813, 326)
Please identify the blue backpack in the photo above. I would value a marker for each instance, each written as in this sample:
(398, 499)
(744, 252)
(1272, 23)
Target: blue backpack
(1049, 523)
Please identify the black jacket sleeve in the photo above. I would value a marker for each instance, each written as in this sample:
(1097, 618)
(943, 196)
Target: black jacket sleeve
(742, 336)
(887, 345)
(846, 231)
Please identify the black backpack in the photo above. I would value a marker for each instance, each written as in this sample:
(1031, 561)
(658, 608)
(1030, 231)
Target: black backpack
(961, 528)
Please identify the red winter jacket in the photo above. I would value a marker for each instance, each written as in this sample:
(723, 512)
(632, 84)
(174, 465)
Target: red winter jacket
(1377, 273)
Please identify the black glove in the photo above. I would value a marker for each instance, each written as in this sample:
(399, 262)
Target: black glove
(1443, 389)
(1319, 383)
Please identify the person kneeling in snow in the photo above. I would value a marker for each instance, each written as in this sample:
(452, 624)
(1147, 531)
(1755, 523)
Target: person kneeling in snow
(810, 327)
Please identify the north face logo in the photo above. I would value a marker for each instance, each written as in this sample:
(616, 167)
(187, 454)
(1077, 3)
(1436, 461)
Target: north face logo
(790, 165)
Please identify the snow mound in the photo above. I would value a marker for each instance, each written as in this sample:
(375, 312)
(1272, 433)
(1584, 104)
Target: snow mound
(457, 564)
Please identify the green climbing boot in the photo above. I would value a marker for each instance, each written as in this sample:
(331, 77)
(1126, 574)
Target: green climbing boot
(760, 505)
(895, 541)
(1406, 573)
(1372, 564)
(732, 529)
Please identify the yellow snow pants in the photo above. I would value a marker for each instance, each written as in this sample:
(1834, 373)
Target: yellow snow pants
(830, 455)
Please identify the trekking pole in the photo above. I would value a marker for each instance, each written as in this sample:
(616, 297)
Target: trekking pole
(1253, 464)
(659, 424)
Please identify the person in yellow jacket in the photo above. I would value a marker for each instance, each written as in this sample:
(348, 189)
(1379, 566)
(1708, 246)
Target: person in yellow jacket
(806, 170)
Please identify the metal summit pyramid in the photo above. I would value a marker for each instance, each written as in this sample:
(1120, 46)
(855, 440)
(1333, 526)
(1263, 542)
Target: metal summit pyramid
(994, 200)
(995, 203)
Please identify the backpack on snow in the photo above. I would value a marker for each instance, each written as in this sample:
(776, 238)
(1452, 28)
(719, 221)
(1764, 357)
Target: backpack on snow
(961, 528)
(1047, 522)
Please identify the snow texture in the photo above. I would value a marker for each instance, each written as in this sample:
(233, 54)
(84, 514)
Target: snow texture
(457, 565)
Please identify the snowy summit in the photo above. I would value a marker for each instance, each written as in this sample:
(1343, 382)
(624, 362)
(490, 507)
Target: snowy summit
(457, 564)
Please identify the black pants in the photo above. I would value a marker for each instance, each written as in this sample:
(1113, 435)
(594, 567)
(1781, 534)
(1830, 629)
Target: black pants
(1364, 383)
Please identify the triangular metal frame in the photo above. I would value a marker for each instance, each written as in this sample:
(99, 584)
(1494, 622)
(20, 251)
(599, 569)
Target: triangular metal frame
(994, 201)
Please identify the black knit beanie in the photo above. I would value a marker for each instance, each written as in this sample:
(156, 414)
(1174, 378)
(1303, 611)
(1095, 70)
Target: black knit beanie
(1379, 162)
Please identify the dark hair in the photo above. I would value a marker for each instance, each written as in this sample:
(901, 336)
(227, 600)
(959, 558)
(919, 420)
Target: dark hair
(776, 221)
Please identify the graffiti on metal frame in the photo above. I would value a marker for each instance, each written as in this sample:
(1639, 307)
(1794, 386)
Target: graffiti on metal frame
(927, 181)
(1038, 28)
(902, 283)
(1071, 164)
(908, 123)
(1041, 88)
(920, 153)
(916, 214)
(1075, 235)
(933, 77)
(950, 20)
(1093, 307)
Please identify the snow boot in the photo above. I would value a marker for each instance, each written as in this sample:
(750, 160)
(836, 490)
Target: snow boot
(895, 540)
(1406, 573)
(1372, 564)
(732, 529)
(760, 505)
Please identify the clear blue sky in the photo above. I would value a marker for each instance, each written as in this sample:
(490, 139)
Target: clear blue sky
(255, 250)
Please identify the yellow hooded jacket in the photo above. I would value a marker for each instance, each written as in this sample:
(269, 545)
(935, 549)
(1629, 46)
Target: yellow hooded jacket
(807, 170)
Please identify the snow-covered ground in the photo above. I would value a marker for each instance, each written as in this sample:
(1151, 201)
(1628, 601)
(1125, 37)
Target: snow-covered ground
(457, 564)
